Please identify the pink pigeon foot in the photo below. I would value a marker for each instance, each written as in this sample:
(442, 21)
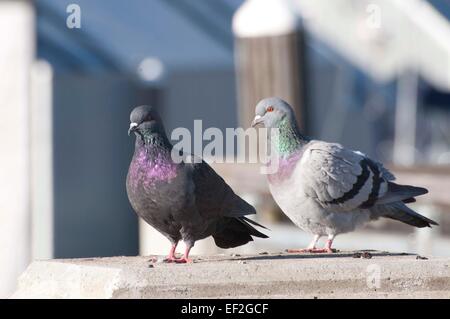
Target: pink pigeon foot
(310, 250)
(326, 249)
(185, 259)
(171, 258)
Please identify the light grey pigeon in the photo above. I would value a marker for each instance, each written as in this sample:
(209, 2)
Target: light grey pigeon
(182, 200)
(326, 189)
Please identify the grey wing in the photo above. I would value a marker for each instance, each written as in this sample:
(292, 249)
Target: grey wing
(342, 179)
(385, 173)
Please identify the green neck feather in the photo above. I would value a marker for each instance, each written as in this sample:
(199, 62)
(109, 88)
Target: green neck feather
(151, 138)
(289, 139)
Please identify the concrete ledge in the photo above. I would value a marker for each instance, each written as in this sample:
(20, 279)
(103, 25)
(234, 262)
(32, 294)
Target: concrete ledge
(280, 275)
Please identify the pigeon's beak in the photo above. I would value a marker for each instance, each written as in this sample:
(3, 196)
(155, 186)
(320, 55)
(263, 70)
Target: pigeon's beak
(258, 119)
(133, 127)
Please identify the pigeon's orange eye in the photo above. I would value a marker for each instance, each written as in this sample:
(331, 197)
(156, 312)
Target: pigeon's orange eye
(269, 109)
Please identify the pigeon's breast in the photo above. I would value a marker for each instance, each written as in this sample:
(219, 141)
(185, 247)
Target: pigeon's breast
(288, 192)
(160, 195)
(286, 189)
(148, 171)
(284, 168)
(152, 185)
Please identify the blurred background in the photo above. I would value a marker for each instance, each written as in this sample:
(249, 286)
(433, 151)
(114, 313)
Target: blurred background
(372, 75)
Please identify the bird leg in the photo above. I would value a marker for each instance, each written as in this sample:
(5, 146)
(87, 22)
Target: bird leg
(312, 246)
(310, 249)
(171, 257)
(185, 259)
(328, 244)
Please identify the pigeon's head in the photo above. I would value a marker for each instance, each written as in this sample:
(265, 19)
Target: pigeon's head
(144, 121)
(272, 111)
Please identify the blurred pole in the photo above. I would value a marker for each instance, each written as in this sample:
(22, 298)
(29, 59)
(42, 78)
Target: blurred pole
(151, 241)
(405, 119)
(270, 57)
(41, 124)
(17, 40)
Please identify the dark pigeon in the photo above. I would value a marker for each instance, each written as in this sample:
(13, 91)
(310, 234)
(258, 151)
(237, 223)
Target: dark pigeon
(184, 201)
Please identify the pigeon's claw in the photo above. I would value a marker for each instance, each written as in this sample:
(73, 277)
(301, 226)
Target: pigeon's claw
(312, 246)
(184, 260)
(294, 251)
(171, 260)
(323, 250)
(311, 250)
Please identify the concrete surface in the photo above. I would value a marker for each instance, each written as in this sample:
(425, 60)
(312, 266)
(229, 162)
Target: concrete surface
(281, 275)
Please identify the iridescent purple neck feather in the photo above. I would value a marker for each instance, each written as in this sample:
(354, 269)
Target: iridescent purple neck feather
(286, 166)
(152, 161)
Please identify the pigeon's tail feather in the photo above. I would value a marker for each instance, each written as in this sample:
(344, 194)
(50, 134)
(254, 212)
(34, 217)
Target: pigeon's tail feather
(248, 220)
(245, 221)
(404, 193)
(409, 200)
(399, 211)
(234, 232)
(239, 207)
